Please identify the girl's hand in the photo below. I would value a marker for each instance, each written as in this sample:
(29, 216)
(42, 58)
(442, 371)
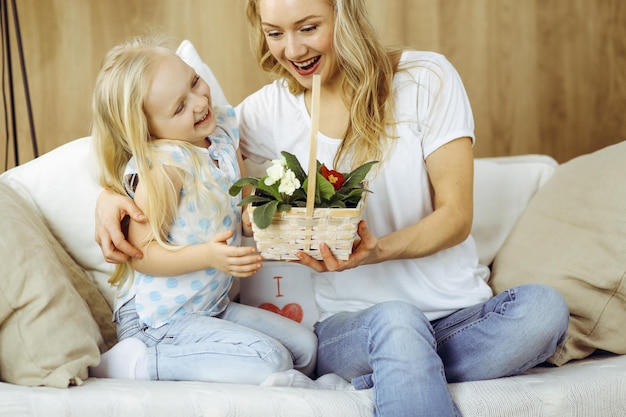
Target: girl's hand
(364, 251)
(241, 262)
(111, 208)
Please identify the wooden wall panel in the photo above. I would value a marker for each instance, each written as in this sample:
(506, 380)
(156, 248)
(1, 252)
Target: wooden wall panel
(542, 76)
(65, 41)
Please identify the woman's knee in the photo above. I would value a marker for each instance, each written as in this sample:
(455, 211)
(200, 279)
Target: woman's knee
(399, 319)
(547, 305)
(398, 312)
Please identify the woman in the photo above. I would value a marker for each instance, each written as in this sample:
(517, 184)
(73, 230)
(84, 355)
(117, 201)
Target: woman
(410, 310)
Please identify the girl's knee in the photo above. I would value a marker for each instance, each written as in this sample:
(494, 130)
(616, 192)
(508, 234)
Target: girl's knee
(305, 355)
(277, 359)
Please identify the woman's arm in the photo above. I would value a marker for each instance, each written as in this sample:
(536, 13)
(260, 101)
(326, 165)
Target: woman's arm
(111, 209)
(161, 261)
(451, 172)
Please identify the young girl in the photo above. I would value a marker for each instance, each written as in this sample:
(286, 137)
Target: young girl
(159, 140)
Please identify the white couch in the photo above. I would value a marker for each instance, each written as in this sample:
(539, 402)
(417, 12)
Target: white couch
(55, 303)
(58, 190)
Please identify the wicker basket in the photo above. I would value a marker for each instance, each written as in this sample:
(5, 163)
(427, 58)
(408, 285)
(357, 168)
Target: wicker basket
(292, 232)
(303, 229)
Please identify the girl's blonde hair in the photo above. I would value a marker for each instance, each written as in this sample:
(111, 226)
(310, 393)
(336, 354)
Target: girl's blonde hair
(121, 130)
(368, 69)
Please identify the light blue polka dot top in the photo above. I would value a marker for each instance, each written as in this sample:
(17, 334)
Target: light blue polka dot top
(160, 299)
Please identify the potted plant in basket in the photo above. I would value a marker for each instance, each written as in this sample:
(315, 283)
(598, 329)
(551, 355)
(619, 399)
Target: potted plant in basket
(280, 223)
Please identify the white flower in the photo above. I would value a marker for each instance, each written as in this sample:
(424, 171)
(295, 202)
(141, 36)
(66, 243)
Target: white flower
(275, 171)
(288, 183)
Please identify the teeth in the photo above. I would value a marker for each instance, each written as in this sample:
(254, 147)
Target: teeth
(204, 116)
(305, 63)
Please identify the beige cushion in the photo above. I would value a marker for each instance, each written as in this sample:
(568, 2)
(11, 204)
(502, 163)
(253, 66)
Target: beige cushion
(573, 237)
(48, 335)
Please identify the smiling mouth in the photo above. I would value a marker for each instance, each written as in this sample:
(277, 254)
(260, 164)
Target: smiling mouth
(306, 67)
(203, 118)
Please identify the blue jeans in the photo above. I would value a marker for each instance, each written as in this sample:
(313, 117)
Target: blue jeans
(409, 361)
(244, 345)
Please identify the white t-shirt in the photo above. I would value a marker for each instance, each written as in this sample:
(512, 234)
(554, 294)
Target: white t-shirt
(431, 109)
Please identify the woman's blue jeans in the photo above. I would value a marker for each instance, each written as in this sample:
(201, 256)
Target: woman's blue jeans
(242, 345)
(409, 361)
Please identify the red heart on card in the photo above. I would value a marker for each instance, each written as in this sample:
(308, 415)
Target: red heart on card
(292, 311)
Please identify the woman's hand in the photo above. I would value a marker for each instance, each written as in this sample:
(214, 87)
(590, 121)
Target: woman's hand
(111, 208)
(365, 250)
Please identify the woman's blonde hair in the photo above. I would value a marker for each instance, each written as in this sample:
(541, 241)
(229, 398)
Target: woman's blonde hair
(121, 130)
(368, 69)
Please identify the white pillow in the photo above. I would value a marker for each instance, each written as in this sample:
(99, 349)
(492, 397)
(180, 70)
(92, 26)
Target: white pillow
(503, 187)
(188, 53)
(62, 186)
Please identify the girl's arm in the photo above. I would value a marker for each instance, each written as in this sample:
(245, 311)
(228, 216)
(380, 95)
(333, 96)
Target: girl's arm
(160, 261)
(111, 208)
(451, 172)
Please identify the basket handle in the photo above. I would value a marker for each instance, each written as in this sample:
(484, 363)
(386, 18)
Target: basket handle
(315, 122)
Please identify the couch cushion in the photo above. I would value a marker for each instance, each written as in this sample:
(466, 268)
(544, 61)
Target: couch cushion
(573, 238)
(61, 185)
(503, 187)
(48, 335)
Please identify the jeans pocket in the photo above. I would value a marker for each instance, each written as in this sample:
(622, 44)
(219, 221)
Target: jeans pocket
(127, 320)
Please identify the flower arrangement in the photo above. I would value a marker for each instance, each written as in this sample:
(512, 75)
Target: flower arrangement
(285, 183)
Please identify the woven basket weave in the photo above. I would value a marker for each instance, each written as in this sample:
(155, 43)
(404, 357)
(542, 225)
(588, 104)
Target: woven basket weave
(292, 231)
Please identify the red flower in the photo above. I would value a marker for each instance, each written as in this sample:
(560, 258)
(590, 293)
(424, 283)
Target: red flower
(335, 178)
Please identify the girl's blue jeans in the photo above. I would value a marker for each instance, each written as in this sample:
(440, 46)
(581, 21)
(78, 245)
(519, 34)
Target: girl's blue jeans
(409, 361)
(242, 345)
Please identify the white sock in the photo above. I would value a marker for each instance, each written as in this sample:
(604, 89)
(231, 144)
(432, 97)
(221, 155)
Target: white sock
(293, 378)
(126, 360)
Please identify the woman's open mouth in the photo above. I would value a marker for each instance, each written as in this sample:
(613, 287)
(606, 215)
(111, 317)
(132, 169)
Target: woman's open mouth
(307, 67)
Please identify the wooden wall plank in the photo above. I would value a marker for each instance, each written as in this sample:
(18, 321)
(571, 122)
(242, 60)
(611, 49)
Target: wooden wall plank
(542, 76)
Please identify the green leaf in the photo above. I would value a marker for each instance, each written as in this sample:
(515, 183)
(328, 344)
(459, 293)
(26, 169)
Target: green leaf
(298, 195)
(357, 176)
(270, 189)
(323, 188)
(294, 165)
(337, 204)
(237, 186)
(255, 200)
(284, 207)
(263, 215)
